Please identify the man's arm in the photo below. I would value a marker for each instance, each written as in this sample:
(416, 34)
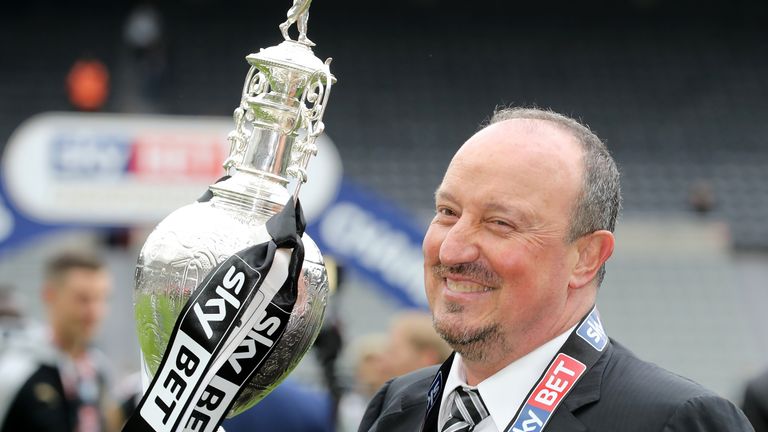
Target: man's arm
(708, 414)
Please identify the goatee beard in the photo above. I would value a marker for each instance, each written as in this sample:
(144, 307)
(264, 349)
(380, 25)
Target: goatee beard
(474, 344)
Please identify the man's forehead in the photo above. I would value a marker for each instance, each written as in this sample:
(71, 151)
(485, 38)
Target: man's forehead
(77, 275)
(522, 133)
(527, 144)
(517, 163)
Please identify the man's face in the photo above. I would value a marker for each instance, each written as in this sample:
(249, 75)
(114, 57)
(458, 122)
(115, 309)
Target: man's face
(496, 260)
(371, 374)
(402, 356)
(77, 303)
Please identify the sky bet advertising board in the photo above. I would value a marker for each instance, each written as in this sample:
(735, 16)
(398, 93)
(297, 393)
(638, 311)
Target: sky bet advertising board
(64, 170)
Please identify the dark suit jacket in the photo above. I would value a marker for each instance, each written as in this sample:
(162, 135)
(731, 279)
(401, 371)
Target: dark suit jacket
(756, 402)
(41, 405)
(620, 393)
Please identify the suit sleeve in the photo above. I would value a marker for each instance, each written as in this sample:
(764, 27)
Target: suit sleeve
(708, 414)
(373, 411)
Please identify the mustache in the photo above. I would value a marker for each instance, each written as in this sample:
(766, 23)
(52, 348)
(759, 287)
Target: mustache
(474, 271)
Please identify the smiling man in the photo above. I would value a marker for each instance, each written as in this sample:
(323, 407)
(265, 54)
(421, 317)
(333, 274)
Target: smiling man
(513, 261)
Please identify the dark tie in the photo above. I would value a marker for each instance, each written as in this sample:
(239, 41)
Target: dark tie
(467, 410)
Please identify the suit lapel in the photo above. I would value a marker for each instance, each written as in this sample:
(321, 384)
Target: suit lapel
(585, 392)
(408, 418)
(407, 413)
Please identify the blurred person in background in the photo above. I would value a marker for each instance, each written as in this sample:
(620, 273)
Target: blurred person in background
(59, 382)
(290, 407)
(370, 374)
(512, 264)
(411, 343)
(143, 73)
(330, 341)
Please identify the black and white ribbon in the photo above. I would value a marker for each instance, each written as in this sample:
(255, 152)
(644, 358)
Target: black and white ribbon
(230, 324)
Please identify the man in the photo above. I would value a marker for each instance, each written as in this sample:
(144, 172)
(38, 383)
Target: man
(59, 384)
(513, 260)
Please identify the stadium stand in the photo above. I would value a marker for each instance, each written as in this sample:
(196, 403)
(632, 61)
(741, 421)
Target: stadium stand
(677, 89)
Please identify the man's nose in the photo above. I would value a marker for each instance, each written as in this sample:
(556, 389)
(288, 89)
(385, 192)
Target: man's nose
(460, 244)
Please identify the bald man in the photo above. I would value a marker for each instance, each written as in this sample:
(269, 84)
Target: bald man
(513, 259)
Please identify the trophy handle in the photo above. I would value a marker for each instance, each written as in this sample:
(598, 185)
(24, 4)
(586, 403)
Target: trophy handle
(312, 107)
(255, 83)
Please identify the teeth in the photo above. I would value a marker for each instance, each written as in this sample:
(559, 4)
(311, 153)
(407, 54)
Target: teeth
(465, 287)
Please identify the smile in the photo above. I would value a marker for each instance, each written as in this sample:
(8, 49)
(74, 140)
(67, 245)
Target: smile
(465, 286)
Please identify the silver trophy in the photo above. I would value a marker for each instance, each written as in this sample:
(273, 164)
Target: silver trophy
(276, 124)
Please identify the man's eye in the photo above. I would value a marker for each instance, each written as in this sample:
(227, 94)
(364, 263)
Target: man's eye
(444, 211)
(502, 224)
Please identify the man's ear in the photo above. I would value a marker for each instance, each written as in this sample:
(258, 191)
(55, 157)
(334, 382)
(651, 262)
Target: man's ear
(593, 251)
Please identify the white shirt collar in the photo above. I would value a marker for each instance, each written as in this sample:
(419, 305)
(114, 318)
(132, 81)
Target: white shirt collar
(504, 391)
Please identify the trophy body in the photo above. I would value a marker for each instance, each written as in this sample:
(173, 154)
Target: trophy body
(276, 123)
(183, 249)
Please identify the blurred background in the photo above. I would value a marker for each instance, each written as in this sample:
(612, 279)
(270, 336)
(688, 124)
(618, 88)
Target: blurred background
(677, 89)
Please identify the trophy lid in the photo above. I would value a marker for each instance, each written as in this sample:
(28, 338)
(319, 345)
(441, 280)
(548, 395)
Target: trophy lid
(290, 55)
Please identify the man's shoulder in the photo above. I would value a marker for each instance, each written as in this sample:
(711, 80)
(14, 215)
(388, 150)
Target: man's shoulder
(408, 390)
(646, 380)
(17, 367)
(25, 380)
(636, 395)
(400, 403)
(416, 381)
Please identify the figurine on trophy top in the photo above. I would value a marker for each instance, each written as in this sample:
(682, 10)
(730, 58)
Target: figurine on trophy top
(299, 14)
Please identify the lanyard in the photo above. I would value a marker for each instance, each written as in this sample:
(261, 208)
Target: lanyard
(580, 352)
(229, 325)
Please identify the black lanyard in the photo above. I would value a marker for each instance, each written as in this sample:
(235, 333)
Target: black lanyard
(579, 353)
(231, 322)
